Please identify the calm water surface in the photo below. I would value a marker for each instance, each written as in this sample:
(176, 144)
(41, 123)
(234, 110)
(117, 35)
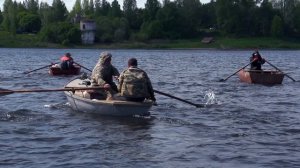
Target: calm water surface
(244, 125)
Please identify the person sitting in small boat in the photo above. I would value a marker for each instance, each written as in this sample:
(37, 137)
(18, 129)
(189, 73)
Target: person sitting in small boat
(66, 62)
(257, 61)
(103, 73)
(134, 83)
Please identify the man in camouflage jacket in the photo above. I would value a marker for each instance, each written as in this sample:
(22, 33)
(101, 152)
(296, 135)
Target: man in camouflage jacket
(104, 72)
(134, 83)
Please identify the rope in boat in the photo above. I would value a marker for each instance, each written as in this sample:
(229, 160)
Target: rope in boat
(74, 100)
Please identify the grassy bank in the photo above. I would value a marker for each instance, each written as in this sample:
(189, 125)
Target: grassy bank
(32, 41)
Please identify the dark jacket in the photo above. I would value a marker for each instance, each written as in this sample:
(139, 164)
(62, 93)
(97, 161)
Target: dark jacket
(66, 62)
(257, 61)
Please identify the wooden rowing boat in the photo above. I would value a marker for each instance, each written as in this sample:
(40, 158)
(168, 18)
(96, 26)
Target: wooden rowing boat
(80, 102)
(265, 77)
(56, 70)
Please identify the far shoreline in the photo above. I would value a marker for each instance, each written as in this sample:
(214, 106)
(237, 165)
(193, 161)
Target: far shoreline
(219, 43)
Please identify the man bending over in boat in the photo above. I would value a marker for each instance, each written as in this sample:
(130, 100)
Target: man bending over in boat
(103, 74)
(257, 61)
(66, 62)
(134, 83)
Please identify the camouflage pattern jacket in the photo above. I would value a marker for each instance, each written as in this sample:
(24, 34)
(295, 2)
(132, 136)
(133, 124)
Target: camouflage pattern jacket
(135, 83)
(103, 74)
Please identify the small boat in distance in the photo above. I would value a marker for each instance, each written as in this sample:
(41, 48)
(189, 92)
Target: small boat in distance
(80, 101)
(265, 77)
(56, 70)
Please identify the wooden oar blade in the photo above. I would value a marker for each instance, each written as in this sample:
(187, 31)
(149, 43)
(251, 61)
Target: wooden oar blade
(4, 92)
(200, 105)
(280, 71)
(177, 98)
(83, 67)
(27, 72)
(223, 80)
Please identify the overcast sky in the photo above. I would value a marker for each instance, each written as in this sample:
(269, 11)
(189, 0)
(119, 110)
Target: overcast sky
(70, 3)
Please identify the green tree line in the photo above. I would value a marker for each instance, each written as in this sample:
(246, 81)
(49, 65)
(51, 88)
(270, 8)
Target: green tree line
(178, 19)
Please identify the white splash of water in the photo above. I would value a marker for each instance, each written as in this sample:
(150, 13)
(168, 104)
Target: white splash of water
(57, 105)
(8, 116)
(210, 97)
(47, 105)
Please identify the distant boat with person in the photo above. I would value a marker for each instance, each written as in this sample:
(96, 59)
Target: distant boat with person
(265, 77)
(57, 70)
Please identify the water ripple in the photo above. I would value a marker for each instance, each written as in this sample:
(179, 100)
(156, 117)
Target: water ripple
(241, 125)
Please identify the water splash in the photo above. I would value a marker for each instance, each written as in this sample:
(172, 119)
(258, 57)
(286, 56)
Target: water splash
(17, 116)
(57, 105)
(210, 97)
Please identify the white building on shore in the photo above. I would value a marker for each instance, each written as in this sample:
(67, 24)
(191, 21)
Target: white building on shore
(88, 31)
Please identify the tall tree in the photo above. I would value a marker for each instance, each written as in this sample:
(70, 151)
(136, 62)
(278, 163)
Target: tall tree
(1, 17)
(45, 13)
(115, 10)
(235, 17)
(277, 27)
(130, 13)
(61, 32)
(190, 17)
(76, 12)
(92, 7)
(31, 5)
(59, 11)
(5, 22)
(129, 6)
(86, 7)
(263, 18)
(287, 11)
(288, 8)
(105, 8)
(121, 29)
(29, 23)
(208, 15)
(97, 8)
(10, 16)
(296, 19)
(102, 8)
(168, 20)
(224, 14)
(151, 8)
(105, 30)
(77, 8)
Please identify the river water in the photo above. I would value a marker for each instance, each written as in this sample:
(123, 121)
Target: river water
(243, 125)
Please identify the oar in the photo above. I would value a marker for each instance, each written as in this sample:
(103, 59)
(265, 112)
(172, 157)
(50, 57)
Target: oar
(223, 80)
(40, 68)
(83, 67)
(281, 71)
(6, 91)
(177, 98)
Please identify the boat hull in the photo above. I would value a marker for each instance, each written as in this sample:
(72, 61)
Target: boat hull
(267, 77)
(58, 71)
(79, 102)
